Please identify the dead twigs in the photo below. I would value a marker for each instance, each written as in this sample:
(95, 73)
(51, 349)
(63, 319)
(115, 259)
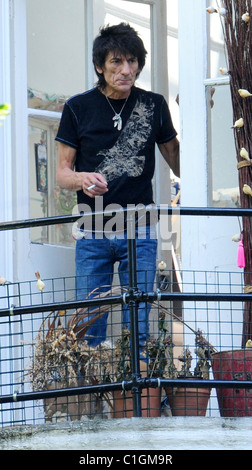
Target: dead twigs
(237, 26)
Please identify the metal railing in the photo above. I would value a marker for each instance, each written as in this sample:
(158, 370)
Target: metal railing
(132, 298)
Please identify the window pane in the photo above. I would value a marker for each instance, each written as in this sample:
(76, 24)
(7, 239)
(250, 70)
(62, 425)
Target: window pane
(217, 58)
(55, 52)
(138, 15)
(46, 198)
(222, 165)
(38, 145)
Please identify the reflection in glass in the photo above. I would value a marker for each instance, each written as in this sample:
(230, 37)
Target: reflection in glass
(217, 58)
(38, 145)
(222, 162)
(55, 52)
(46, 198)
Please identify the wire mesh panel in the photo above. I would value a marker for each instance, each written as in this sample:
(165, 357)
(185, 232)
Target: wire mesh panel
(50, 372)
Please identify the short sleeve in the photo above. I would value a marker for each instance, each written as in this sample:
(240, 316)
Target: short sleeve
(68, 128)
(166, 130)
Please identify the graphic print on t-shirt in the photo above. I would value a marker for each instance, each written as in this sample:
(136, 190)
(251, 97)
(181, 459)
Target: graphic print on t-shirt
(123, 157)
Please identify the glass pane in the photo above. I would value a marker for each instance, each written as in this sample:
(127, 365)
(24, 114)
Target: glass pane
(38, 145)
(46, 198)
(217, 58)
(222, 165)
(55, 52)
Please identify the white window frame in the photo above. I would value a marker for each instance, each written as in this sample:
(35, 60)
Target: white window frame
(193, 66)
(6, 212)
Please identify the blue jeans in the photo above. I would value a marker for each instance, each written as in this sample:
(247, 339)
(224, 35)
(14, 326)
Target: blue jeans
(95, 259)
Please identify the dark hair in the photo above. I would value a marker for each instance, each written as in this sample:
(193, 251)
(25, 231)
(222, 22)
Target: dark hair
(122, 39)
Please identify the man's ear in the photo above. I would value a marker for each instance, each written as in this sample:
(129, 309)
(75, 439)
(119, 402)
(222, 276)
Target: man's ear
(98, 69)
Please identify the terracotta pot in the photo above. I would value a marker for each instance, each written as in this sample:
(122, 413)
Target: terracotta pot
(188, 401)
(150, 404)
(233, 365)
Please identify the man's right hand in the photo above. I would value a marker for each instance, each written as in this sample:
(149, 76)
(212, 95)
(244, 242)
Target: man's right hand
(94, 184)
(72, 180)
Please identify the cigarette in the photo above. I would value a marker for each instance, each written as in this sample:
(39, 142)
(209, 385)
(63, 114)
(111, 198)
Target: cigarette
(91, 187)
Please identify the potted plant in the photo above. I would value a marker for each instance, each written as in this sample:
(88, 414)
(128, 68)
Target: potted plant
(123, 402)
(159, 353)
(183, 401)
(62, 358)
(190, 401)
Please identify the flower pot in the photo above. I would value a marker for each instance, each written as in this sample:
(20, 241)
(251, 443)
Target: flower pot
(185, 401)
(150, 403)
(233, 365)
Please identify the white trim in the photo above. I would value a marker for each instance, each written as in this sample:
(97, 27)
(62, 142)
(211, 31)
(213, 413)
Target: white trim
(126, 15)
(148, 2)
(5, 97)
(94, 19)
(43, 114)
(159, 61)
(6, 247)
(20, 125)
(20, 171)
(89, 32)
(193, 116)
(159, 84)
(217, 81)
(134, 18)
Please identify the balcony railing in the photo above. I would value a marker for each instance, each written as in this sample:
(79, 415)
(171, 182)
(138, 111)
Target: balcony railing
(39, 383)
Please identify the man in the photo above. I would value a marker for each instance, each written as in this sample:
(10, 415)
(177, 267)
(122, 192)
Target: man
(107, 140)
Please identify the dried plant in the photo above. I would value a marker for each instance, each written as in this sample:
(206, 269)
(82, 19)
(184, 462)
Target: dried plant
(186, 359)
(161, 357)
(160, 354)
(61, 353)
(160, 351)
(63, 358)
(122, 356)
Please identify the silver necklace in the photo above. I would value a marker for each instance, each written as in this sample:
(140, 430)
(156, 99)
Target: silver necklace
(117, 117)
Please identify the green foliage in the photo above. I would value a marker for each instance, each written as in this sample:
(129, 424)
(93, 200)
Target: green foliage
(5, 110)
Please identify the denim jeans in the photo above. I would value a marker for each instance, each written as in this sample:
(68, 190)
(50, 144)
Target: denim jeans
(95, 259)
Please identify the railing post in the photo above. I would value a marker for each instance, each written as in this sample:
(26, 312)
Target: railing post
(133, 308)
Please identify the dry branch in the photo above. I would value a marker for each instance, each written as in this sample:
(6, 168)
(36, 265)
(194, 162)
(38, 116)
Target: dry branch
(238, 46)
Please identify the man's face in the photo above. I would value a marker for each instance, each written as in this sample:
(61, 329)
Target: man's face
(120, 74)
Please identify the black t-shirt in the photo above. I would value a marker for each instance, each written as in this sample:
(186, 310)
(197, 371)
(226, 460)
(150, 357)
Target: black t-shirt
(125, 157)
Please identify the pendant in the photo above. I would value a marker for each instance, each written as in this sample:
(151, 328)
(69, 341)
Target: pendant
(117, 121)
